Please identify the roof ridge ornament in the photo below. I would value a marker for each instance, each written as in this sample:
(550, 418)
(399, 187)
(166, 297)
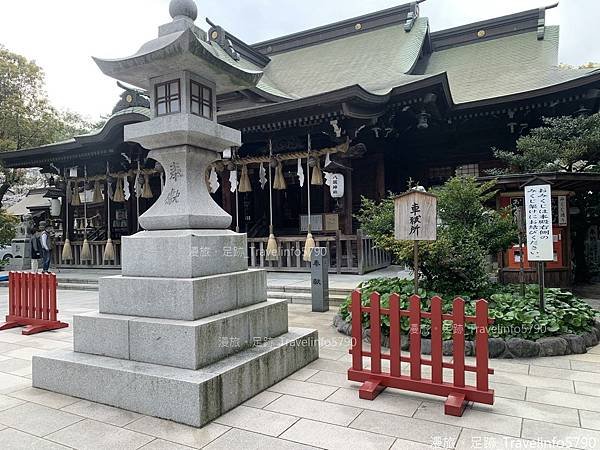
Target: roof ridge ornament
(412, 15)
(541, 29)
(219, 36)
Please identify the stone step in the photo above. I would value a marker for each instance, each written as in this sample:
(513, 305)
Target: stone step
(77, 286)
(302, 299)
(181, 298)
(192, 397)
(178, 343)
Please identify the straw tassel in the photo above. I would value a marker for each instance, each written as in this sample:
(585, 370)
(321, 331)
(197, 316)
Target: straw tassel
(75, 199)
(97, 197)
(308, 245)
(147, 192)
(109, 251)
(245, 185)
(317, 175)
(119, 197)
(67, 251)
(272, 247)
(279, 183)
(86, 251)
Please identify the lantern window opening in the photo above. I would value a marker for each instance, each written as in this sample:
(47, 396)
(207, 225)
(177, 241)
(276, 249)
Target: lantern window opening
(168, 97)
(201, 100)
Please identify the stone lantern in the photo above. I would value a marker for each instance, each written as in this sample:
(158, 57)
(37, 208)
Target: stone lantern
(186, 332)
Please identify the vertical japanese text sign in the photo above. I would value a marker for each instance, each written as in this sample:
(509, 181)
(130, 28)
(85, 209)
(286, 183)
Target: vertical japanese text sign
(538, 213)
(415, 217)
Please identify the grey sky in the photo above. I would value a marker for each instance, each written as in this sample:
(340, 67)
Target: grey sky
(61, 35)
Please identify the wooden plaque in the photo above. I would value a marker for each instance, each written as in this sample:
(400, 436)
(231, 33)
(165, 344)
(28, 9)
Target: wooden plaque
(415, 217)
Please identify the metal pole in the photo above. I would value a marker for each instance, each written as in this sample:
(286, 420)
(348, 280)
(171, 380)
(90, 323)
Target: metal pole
(542, 283)
(237, 210)
(416, 265)
(308, 183)
(521, 265)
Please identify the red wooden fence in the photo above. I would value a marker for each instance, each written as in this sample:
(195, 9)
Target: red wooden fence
(32, 302)
(375, 379)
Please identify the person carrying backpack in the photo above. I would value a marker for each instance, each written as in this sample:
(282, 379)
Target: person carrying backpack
(46, 245)
(36, 251)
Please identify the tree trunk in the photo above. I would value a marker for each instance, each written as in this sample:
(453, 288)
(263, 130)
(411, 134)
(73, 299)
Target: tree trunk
(4, 187)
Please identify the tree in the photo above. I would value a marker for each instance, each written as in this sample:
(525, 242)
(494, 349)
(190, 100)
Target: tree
(469, 232)
(27, 119)
(565, 144)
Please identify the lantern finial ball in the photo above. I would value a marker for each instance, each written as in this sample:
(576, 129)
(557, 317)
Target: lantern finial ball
(183, 8)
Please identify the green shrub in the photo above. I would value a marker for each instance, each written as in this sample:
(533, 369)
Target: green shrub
(469, 231)
(514, 316)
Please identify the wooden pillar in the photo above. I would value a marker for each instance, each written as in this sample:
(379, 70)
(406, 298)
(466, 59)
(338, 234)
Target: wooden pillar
(226, 193)
(348, 200)
(379, 176)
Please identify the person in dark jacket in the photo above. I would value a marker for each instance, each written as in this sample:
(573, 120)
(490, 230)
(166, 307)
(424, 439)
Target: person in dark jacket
(36, 251)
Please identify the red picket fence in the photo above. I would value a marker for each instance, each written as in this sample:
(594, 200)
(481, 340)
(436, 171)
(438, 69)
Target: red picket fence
(457, 392)
(32, 302)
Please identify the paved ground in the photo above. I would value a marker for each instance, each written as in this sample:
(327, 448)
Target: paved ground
(541, 403)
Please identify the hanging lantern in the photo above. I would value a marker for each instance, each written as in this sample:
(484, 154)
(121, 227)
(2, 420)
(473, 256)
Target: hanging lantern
(146, 191)
(245, 185)
(67, 251)
(317, 175)
(97, 198)
(75, 198)
(55, 207)
(119, 196)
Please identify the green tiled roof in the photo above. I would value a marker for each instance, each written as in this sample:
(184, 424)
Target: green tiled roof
(388, 57)
(502, 66)
(376, 60)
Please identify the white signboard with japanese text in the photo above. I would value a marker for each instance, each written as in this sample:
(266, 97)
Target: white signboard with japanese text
(415, 217)
(538, 213)
(563, 211)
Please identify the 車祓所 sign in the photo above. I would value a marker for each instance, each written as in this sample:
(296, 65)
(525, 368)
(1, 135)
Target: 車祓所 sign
(538, 213)
(415, 217)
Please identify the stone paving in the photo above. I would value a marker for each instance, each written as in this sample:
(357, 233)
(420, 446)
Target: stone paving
(540, 403)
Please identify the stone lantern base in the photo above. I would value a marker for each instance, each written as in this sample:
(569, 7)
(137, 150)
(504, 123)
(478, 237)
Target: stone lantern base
(185, 337)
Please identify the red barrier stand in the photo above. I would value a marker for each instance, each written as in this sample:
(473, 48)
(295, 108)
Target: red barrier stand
(457, 392)
(32, 302)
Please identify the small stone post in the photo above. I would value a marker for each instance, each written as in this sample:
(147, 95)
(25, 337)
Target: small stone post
(320, 279)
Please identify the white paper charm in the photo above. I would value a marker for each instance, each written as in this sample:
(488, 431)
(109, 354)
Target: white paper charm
(262, 173)
(233, 180)
(213, 181)
(300, 172)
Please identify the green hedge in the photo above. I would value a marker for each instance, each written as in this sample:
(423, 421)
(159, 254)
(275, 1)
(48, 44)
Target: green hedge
(514, 315)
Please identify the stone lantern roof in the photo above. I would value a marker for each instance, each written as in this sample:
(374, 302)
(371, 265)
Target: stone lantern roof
(181, 45)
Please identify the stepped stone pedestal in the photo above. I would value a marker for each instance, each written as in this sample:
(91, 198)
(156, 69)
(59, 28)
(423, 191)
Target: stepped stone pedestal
(185, 348)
